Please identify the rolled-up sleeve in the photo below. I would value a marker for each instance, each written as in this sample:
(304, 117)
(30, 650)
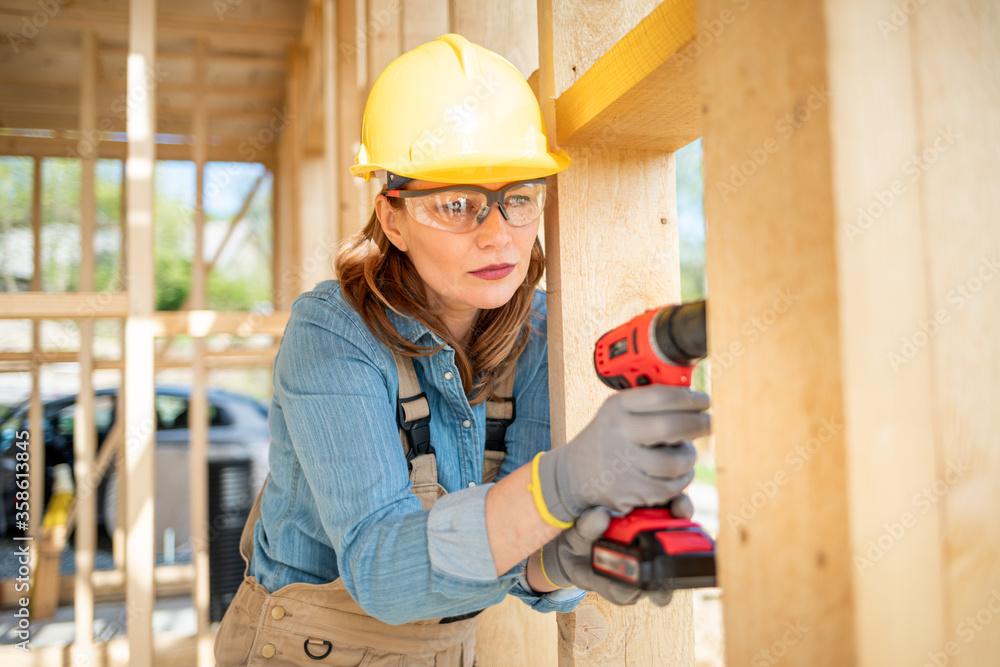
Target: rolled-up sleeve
(563, 600)
(398, 561)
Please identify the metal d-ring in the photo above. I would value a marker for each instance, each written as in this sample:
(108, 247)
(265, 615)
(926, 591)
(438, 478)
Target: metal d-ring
(327, 644)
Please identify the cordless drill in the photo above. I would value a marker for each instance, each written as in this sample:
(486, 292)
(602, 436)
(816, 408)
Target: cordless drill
(648, 547)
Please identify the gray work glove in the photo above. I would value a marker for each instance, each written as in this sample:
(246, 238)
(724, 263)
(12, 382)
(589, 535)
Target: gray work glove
(618, 461)
(567, 561)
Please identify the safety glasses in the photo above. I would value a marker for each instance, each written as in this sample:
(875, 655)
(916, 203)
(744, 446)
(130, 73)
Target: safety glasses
(463, 208)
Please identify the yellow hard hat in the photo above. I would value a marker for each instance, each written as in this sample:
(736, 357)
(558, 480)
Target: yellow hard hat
(453, 112)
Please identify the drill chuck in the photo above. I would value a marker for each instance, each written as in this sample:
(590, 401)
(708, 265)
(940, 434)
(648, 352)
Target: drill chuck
(679, 332)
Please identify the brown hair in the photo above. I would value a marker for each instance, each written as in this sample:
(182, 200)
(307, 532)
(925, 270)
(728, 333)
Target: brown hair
(374, 274)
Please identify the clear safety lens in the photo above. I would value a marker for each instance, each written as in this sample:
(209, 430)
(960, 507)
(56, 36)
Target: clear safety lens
(462, 210)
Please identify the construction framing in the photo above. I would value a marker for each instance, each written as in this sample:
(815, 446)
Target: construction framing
(849, 152)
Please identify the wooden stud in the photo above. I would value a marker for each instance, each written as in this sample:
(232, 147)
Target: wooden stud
(36, 431)
(957, 94)
(118, 537)
(351, 75)
(631, 195)
(198, 405)
(383, 44)
(84, 428)
(140, 425)
(846, 262)
(422, 21)
(332, 181)
(509, 29)
(290, 282)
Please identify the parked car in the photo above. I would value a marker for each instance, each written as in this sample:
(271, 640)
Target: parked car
(237, 430)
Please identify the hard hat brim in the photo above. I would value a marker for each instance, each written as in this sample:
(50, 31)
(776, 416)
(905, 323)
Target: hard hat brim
(469, 168)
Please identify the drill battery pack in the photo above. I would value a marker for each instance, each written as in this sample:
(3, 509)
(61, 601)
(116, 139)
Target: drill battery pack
(651, 550)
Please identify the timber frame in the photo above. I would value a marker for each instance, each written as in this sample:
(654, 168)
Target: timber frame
(837, 214)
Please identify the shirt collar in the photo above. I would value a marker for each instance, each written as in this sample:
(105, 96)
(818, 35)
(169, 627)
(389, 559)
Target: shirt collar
(412, 329)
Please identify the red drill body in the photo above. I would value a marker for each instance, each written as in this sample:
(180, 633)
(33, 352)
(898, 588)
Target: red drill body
(648, 547)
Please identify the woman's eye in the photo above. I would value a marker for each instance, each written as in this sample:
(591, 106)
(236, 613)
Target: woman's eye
(517, 200)
(454, 207)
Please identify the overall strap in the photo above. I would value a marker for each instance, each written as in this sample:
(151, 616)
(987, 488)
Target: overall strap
(413, 412)
(413, 417)
(500, 413)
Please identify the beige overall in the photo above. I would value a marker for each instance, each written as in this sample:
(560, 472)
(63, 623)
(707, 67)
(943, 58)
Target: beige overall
(310, 624)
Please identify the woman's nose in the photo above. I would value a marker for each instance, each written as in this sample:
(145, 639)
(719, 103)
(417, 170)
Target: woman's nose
(493, 230)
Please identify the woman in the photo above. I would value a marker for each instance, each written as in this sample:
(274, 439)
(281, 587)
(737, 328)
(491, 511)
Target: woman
(411, 480)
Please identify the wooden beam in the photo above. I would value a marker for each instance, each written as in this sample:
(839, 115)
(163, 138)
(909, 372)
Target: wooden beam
(209, 322)
(509, 29)
(228, 150)
(139, 353)
(334, 190)
(631, 194)
(24, 358)
(286, 282)
(957, 95)
(351, 57)
(198, 447)
(383, 44)
(423, 21)
(63, 305)
(843, 239)
(36, 447)
(84, 426)
(109, 585)
(642, 93)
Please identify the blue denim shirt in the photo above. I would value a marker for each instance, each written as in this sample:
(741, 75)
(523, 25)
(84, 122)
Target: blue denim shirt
(338, 502)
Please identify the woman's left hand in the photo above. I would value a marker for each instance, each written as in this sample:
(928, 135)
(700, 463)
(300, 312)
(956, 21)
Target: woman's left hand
(566, 560)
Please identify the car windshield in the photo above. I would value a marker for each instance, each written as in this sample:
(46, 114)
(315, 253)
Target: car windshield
(8, 431)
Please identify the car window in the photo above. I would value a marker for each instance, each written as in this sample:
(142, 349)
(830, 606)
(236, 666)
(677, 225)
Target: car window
(168, 410)
(104, 415)
(172, 413)
(8, 431)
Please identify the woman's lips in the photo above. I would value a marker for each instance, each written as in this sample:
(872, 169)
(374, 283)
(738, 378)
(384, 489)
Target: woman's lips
(494, 273)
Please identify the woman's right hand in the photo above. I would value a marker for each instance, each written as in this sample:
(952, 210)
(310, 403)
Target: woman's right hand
(619, 460)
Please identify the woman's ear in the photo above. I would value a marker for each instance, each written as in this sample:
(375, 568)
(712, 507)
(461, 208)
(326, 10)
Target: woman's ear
(388, 218)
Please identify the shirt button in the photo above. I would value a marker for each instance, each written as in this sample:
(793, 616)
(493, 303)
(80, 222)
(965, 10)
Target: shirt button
(448, 375)
(268, 650)
(466, 423)
(471, 484)
(278, 613)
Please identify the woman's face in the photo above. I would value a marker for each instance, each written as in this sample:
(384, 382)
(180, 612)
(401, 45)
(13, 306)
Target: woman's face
(451, 264)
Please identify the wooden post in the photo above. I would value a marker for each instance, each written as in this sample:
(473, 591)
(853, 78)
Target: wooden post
(292, 284)
(509, 29)
(84, 429)
(855, 423)
(118, 537)
(140, 425)
(615, 256)
(36, 446)
(383, 44)
(198, 423)
(351, 74)
(332, 182)
(423, 21)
